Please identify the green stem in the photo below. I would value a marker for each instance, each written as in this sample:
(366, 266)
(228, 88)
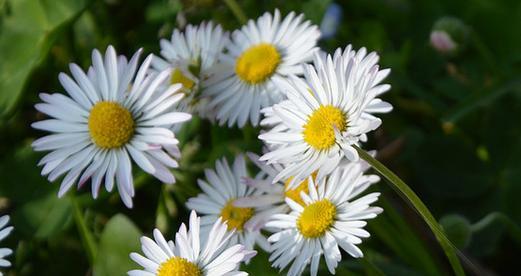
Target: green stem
(485, 53)
(370, 268)
(237, 11)
(408, 194)
(86, 236)
(512, 228)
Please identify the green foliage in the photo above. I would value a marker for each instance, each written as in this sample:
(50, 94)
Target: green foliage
(119, 238)
(28, 31)
(458, 230)
(39, 212)
(454, 136)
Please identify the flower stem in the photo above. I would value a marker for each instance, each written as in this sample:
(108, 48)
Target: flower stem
(86, 236)
(237, 11)
(511, 227)
(408, 194)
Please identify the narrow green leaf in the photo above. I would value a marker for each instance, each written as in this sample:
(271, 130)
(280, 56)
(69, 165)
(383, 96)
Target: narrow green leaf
(393, 230)
(86, 236)
(484, 98)
(237, 11)
(408, 194)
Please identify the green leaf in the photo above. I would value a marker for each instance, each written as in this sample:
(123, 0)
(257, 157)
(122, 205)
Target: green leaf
(458, 229)
(315, 9)
(237, 11)
(86, 235)
(27, 34)
(44, 217)
(478, 100)
(39, 213)
(395, 232)
(162, 11)
(408, 194)
(119, 238)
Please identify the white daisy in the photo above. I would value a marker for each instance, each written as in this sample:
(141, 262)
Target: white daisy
(189, 255)
(273, 198)
(330, 217)
(191, 57)
(325, 114)
(222, 188)
(112, 115)
(260, 53)
(4, 232)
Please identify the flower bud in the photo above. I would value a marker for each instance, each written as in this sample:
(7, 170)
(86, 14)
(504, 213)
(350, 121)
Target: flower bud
(330, 21)
(449, 35)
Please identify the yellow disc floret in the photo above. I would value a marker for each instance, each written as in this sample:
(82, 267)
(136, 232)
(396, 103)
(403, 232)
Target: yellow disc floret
(319, 131)
(110, 125)
(179, 77)
(177, 266)
(234, 216)
(294, 193)
(257, 63)
(316, 219)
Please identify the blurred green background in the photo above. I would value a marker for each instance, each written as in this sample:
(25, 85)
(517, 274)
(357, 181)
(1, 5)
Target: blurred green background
(454, 135)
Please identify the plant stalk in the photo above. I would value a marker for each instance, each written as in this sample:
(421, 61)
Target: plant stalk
(408, 195)
(237, 11)
(86, 236)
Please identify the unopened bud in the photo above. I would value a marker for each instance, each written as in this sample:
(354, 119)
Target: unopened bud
(449, 35)
(330, 21)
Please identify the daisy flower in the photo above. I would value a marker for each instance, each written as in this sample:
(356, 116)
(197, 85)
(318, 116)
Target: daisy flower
(111, 116)
(188, 255)
(330, 217)
(326, 113)
(224, 186)
(259, 53)
(273, 197)
(191, 56)
(4, 232)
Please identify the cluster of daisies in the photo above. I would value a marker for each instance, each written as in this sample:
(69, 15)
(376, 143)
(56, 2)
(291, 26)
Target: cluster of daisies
(306, 200)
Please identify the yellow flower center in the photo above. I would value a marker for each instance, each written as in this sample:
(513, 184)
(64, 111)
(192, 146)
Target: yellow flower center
(316, 219)
(236, 216)
(294, 193)
(257, 63)
(179, 77)
(319, 131)
(110, 125)
(177, 266)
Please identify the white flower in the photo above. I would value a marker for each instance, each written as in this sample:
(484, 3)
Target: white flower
(330, 217)
(273, 198)
(4, 232)
(224, 186)
(325, 114)
(260, 53)
(191, 57)
(112, 115)
(189, 255)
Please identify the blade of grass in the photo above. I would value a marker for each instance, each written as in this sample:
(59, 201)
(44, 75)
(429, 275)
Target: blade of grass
(85, 234)
(482, 99)
(237, 11)
(398, 235)
(408, 194)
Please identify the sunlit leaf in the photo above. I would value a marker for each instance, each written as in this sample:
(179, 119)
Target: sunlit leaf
(119, 238)
(27, 33)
